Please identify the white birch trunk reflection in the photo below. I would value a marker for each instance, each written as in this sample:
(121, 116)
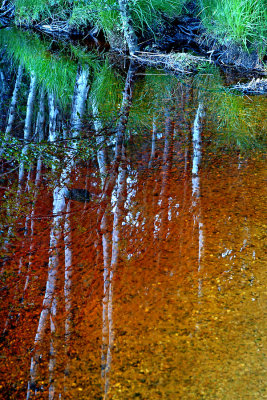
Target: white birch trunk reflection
(153, 143)
(67, 286)
(53, 113)
(196, 191)
(13, 103)
(52, 360)
(79, 100)
(68, 273)
(28, 122)
(27, 134)
(108, 283)
(100, 141)
(59, 207)
(163, 197)
(108, 186)
(120, 133)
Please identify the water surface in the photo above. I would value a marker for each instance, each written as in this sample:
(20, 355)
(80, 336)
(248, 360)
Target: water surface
(133, 230)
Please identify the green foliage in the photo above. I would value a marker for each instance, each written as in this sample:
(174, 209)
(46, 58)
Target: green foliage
(242, 21)
(106, 92)
(54, 70)
(28, 11)
(146, 14)
(103, 15)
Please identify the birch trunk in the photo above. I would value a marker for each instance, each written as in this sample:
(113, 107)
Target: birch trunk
(28, 122)
(53, 113)
(59, 207)
(116, 236)
(11, 112)
(120, 133)
(100, 141)
(39, 128)
(196, 191)
(127, 24)
(79, 100)
(153, 143)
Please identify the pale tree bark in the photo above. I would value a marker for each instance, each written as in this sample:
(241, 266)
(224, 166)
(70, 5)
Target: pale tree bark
(108, 282)
(53, 113)
(127, 24)
(59, 207)
(100, 141)
(79, 100)
(196, 191)
(153, 143)
(12, 107)
(106, 240)
(67, 289)
(166, 167)
(28, 122)
(39, 130)
(52, 360)
(120, 133)
(40, 120)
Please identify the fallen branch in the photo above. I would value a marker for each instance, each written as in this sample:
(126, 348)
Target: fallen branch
(179, 62)
(255, 86)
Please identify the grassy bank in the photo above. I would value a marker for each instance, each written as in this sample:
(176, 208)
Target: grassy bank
(240, 22)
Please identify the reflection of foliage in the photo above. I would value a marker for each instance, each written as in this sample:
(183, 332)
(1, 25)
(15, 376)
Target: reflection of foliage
(53, 70)
(237, 123)
(52, 154)
(106, 92)
(56, 72)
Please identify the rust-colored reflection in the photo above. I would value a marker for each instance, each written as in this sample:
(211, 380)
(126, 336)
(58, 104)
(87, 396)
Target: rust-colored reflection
(153, 289)
(181, 311)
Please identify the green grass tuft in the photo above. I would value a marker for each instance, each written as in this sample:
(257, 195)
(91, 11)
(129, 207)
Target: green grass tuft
(240, 21)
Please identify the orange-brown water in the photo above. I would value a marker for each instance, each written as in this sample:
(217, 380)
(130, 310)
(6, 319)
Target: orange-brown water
(165, 299)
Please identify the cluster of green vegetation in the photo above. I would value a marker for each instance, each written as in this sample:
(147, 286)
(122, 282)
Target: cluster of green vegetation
(235, 122)
(54, 70)
(102, 14)
(238, 21)
(241, 21)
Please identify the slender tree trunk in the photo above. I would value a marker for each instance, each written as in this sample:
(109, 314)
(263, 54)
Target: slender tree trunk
(100, 141)
(127, 24)
(28, 122)
(53, 113)
(11, 113)
(39, 128)
(59, 207)
(116, 236)
(166, 167)
(120, 133)
(196, 190)
(153, 143)
(30, 108)
(79, 100)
